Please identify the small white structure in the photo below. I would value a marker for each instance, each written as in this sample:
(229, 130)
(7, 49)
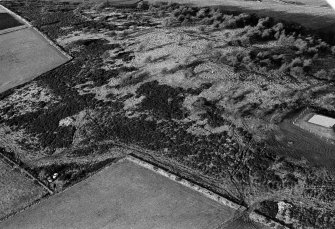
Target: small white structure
(322, 121)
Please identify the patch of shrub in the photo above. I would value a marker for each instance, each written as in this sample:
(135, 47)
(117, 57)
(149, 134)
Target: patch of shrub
(265, 23)
(321, 74)
(322, 46)
(143, 5)
(134, 78)
(307, 64)
(202, 13)
(297, 71)
(164, 70)
(301, 45)
(333, 50)
(278, 27)
(165, 101)
(148, 59)
(285, 40)
(202, 28)
(296, 62)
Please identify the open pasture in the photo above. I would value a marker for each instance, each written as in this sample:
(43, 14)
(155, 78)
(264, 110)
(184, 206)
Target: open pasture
(25, 54)
(16, 190)
(124, 195)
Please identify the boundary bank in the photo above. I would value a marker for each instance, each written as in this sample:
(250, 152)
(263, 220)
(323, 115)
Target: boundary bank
(256, 217)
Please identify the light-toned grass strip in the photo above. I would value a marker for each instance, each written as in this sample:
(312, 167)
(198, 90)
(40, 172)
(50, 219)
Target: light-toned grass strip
(222, 200)
(13, 29)
(265, 221)
(209, 194)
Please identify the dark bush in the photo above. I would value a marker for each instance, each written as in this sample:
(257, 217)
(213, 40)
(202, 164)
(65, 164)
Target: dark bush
(265, 23)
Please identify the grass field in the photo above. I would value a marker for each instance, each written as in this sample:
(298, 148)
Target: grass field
(124, 195)
(16, 190)
(25, 54)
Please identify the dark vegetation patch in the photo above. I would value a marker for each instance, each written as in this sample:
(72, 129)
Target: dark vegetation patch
(92, 149)
(163, 100)
(134, 79)
(216, 155)
(8, 21)
(269, 208)
(68, 174)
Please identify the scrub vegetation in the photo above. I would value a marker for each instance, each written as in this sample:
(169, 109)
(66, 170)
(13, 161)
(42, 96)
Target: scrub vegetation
(199, 88)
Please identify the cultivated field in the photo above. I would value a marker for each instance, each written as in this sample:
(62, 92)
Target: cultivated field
(16, 190)
(124, 195)
(24, 55)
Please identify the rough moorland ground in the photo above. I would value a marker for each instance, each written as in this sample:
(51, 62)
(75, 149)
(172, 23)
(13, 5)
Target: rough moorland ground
(210, 94)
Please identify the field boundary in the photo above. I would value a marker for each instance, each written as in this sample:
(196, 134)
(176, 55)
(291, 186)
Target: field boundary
(209, 194)
(222, 200)
(13, 29)
(27, 174)
(56, 193)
